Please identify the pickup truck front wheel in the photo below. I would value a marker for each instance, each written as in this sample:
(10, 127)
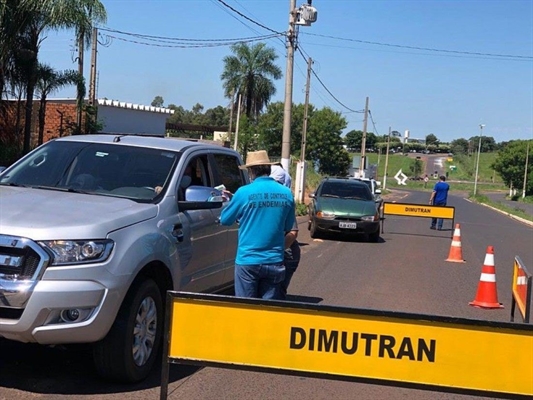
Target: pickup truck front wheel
(128, 352)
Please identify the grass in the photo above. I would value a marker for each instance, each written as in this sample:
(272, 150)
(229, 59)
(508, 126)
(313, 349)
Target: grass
(516, 211)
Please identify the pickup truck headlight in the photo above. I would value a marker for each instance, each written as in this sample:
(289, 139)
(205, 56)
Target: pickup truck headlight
(78, 251)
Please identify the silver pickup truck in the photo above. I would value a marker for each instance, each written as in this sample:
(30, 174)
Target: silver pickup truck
(95, 229)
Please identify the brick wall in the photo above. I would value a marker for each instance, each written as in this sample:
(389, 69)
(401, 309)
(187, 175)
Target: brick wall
(58, 118)
(55, 125)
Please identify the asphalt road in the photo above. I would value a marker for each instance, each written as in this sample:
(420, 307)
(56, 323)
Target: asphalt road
(406, 271)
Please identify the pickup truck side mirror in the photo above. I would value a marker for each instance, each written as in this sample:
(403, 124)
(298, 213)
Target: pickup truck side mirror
(377, 191)
(201, 198)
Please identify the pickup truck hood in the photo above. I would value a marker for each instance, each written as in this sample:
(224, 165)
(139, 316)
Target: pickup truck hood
(41, 214)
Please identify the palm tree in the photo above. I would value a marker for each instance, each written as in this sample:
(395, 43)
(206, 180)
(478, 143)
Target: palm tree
(43, 15)
(49, 81)
(249, 72)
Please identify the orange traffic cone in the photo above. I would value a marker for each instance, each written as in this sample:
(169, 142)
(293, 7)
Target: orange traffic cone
(456, 250)
(487, 294)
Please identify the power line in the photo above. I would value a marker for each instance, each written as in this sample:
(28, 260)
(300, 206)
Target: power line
(169, 39)
(421, 48)
(185, 45)
(248, 18)
(324, 86)
(373, 124)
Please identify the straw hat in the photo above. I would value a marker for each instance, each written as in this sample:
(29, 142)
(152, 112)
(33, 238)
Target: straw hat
(259, 157)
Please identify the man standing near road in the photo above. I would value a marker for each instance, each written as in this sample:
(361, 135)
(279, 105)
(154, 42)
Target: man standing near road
(265, 211)
(292, 247)
(439, 197)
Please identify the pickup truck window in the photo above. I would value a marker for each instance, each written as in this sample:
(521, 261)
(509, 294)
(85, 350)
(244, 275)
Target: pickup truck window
(230, 174)
(96, 168)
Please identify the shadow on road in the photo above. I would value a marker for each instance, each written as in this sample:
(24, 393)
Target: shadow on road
(67, 370)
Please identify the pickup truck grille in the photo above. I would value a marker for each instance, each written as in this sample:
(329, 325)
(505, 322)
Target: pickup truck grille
(21, 263)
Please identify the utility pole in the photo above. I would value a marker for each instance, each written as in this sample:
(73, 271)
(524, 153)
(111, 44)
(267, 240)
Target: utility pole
(306, 108)
(287, 110)
(386, 162)
(92, 80)
(363, 142)
(302, 165)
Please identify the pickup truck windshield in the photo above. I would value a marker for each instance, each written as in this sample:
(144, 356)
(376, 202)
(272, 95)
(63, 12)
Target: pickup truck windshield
(95, 168)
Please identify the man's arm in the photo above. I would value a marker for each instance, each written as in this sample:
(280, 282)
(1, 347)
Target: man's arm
(230, 213)
(432, 197)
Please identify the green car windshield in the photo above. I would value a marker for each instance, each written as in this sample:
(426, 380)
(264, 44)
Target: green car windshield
(345, 190)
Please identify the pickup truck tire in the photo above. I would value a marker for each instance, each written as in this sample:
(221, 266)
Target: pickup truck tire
(128, 352)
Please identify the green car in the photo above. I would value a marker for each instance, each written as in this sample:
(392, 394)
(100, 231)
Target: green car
(343, 206)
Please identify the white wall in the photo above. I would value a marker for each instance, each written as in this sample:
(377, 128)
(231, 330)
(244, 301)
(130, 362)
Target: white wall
(125, 120)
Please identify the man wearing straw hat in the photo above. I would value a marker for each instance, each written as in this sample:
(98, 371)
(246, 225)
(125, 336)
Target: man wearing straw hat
(265, 210)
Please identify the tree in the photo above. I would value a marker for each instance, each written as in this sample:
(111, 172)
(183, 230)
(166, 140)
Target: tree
(511, 162)
(354, 140)
(416, 168)
(157, 101)
(25, 22)
(431, 139)
(487, 143)
(218, 116)
(249, 73)
(325, 144)
(459, 146)
(49, 81)
(270, 128)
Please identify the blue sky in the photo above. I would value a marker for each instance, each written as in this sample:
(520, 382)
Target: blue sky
(448, 91)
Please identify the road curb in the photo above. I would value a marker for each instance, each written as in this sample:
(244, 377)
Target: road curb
(524, 221)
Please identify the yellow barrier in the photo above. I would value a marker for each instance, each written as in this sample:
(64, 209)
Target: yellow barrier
(522, 282)
(417, 210)
(412, 350)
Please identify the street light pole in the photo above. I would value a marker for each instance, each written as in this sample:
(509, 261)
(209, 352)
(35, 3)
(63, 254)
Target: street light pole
(481, 126)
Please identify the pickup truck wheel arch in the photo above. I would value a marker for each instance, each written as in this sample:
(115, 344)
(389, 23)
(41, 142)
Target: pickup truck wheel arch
(130, 349)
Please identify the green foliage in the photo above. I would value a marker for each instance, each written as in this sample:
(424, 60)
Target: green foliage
(249, 73)
(354, 140)
(157, 102)
(487, 144)
(416, 167)
(324, 142)
(511, 164)
(301, 209)
(270, 128)
(459, 146)
(431, 139)
(218, 116)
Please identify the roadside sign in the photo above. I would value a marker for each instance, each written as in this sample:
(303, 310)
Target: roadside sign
(412, 350)
(522, 282)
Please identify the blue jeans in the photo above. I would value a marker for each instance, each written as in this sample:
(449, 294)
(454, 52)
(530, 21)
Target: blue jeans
(261, 281)
(437, 221)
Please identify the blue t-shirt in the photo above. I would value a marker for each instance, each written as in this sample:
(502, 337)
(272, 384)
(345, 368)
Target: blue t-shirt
(441, 192)
(265, 211)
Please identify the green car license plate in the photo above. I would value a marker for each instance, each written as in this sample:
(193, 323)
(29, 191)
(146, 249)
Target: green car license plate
(348, 225)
